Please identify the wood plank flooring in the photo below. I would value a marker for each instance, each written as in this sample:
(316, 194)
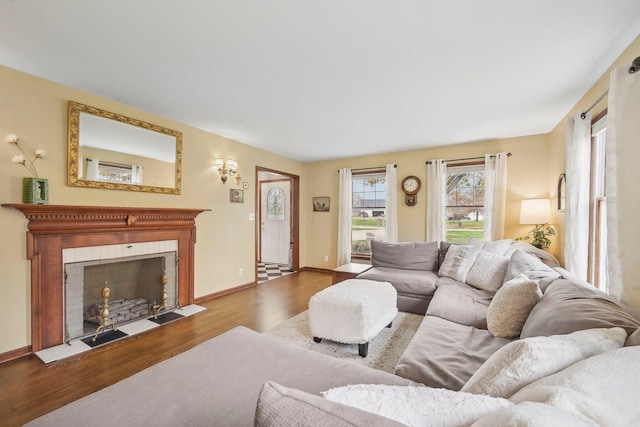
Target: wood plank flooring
(29, 389)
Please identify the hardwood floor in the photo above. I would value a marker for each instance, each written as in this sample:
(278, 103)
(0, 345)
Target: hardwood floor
(29, 389)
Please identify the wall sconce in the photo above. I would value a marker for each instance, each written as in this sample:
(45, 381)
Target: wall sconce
(227, 169)
(537, 212)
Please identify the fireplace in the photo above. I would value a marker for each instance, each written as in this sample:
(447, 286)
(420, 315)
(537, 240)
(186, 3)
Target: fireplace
(54, 230)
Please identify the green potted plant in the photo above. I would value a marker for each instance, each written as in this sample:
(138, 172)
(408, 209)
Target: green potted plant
(539, 236)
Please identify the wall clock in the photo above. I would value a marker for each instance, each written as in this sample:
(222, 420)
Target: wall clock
(410, 187)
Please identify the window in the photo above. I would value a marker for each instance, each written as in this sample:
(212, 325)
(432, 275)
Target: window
(368, 213)
(465, 202)
(598, 208)
(275, 205)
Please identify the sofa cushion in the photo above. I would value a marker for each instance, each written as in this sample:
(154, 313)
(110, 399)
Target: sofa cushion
(511, 306)
(406, 255)
(524, 263)
(603, 388)
(460, 303)
(497, 247)
(488, 271)
(458, 262)
(417, 406)
(567, 307)
(446, 354)
(414, 282)
(280, 406)
(522, 362)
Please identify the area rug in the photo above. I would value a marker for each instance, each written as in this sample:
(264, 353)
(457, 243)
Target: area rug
(384, 350)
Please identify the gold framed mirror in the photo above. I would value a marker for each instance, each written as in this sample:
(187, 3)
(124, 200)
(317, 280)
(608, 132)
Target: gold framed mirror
(111, 151)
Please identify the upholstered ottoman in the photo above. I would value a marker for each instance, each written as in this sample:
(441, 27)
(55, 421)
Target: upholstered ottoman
(352, 312)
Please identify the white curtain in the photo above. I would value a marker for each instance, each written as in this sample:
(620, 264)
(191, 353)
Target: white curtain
(92, 169)
(576, 249)
(344, 217)
(136, 174)
(391, 223)
(436, 200)
(622, 175)
(495, 195)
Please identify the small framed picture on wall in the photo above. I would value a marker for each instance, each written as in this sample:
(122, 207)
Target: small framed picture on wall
(236, 195)
(321, 204)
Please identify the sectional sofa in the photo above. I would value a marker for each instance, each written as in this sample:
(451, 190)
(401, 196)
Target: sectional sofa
(506, 340)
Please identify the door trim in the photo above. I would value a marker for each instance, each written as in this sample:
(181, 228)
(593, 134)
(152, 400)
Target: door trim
(295, 216)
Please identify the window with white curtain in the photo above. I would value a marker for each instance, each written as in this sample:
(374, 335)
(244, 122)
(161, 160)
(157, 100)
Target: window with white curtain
(369, 192)
(598, 207)
(465, 202)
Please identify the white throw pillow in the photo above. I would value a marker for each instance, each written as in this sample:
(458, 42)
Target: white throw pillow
(522, 362)
(511, 306)
(602, 388)
(498, 247)
(458, 262)
(417, 405)
(488, 271)
(532, 414)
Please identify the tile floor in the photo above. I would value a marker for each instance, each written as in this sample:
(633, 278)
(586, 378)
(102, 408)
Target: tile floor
(268, 271)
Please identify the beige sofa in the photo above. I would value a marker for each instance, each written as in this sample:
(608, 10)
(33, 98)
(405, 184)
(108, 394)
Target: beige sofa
(548, 375)
(453, 340)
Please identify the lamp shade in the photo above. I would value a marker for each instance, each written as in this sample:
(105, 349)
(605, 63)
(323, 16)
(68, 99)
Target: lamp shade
(535, 211)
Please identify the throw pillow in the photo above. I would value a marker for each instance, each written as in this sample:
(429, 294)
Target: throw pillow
(510, 307)
(602, 388)
(458, 262)
(281, 406)
(498, 247)
(528, 264)
(522, 362)
(634, 338)
(416, 405)
(488, 271)
(532, 414)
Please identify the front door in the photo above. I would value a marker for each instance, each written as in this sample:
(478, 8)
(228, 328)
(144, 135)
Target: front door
(275, 214)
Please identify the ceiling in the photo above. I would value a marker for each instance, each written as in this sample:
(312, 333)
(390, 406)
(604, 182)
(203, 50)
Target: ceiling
(316, 80)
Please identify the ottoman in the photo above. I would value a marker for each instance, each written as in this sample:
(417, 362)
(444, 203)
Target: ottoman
(352, 312)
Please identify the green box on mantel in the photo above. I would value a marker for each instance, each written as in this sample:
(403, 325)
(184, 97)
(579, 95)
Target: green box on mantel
(35, 190)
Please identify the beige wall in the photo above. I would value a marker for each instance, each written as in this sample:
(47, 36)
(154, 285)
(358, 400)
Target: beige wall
(36, 110)
(527, 178)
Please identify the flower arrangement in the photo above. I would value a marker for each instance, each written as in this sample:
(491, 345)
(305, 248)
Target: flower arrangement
(24, 158)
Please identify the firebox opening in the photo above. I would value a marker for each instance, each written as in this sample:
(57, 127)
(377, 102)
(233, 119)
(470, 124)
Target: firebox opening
(135, 288)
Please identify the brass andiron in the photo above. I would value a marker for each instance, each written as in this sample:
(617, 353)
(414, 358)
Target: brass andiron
(104, 313)
(156, 309)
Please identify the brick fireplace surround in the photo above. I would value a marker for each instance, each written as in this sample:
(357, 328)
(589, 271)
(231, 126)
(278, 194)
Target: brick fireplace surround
(52, 228)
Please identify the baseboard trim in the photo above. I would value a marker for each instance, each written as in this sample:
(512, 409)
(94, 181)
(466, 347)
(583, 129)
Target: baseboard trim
(316, 269)
(224, 292)
(15, 354)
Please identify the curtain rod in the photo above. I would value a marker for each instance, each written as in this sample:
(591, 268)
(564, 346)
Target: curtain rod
(468, 158)
(583, 115)
(634, 68)
(371, 168)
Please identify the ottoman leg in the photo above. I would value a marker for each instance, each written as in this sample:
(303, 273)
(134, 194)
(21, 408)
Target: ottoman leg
(390, 324)
(363, 349)
(317, 339)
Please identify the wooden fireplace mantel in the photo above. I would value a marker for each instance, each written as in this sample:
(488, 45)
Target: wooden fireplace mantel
(52, 228)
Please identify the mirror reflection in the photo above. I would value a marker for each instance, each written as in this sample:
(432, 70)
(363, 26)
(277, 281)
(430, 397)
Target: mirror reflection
(107, 150)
